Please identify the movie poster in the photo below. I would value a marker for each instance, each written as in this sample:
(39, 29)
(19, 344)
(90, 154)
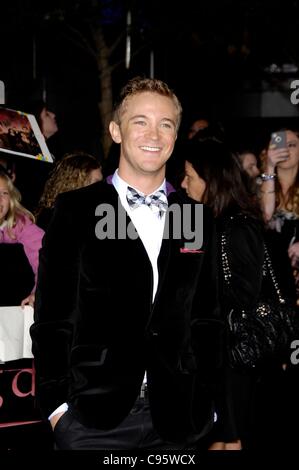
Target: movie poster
(21, 135)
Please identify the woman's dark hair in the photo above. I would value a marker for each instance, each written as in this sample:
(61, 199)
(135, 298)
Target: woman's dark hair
(35, 107)
(227, 187)
(214, 130)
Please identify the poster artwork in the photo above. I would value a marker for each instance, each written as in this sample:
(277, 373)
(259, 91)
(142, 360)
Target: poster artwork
(21, 135)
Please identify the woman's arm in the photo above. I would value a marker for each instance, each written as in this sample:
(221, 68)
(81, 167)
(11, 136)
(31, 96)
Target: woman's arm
(267, 191)
(30, 235)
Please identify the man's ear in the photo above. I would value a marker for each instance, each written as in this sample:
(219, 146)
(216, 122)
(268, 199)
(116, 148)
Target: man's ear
(115, 132)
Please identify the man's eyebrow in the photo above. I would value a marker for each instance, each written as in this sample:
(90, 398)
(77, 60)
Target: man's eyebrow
(138, 116)
(143, 116)
(169, 120)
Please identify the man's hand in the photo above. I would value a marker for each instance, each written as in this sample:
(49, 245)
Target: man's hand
(54, 420)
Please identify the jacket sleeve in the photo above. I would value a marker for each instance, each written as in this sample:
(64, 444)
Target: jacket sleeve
(55, 305)
(207, 324)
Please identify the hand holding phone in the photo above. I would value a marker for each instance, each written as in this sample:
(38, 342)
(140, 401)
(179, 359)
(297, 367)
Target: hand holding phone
(278, 140)
(278, 148)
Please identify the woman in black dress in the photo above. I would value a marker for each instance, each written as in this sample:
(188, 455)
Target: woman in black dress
(213, 175)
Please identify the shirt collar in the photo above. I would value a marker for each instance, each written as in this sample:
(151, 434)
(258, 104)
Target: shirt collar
(121, 186)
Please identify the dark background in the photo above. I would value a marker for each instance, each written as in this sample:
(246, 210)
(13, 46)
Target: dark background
(232, 59)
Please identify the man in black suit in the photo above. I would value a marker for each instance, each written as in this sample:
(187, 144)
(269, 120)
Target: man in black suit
(126, 332)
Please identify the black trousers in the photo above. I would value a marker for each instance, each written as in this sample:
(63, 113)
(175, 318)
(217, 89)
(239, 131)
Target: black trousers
(135, 432)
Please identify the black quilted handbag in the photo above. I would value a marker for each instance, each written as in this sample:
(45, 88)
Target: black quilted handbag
(265, 331)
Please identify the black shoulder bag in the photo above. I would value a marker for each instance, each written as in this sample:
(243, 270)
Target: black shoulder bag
(265, 331)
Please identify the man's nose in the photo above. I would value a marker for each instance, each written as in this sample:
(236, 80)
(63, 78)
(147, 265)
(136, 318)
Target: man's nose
(154, 132)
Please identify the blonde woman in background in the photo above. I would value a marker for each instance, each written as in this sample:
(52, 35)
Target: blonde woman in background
(73, 171)
(17, 225)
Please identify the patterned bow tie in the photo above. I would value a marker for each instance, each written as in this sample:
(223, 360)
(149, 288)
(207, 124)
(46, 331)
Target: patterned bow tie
(156, 201)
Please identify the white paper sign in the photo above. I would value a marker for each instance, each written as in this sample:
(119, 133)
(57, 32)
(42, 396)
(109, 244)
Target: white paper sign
(15, 340)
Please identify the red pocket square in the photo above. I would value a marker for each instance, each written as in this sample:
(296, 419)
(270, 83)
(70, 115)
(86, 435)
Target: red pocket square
(189, 250)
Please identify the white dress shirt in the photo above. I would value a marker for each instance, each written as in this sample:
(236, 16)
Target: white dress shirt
(148, 223)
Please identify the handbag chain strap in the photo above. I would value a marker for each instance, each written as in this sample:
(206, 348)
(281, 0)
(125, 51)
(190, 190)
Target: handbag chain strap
(267, 265)
(225, 264)
(272, 275)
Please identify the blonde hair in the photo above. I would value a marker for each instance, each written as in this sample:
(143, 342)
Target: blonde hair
(72, 172)
(140, 85)
(16, 211)
(291, 201)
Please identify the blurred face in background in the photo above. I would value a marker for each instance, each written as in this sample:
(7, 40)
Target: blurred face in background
(249, 163)
(196, 126)
(48, 123)
(9, 167)
(193, 184)
(95, 176)
(4, 200)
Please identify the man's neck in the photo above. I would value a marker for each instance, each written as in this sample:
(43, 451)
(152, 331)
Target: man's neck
(146, 184)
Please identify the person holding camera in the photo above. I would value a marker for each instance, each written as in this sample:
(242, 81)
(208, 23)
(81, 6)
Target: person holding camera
(279, 196)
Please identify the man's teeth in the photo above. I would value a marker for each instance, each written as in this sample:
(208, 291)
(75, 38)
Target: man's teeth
(150, 149)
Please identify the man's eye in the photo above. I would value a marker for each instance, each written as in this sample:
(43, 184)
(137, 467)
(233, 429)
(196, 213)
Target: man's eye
(167, 125)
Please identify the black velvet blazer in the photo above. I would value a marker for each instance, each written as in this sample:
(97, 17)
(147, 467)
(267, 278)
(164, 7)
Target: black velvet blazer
(96, 329)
